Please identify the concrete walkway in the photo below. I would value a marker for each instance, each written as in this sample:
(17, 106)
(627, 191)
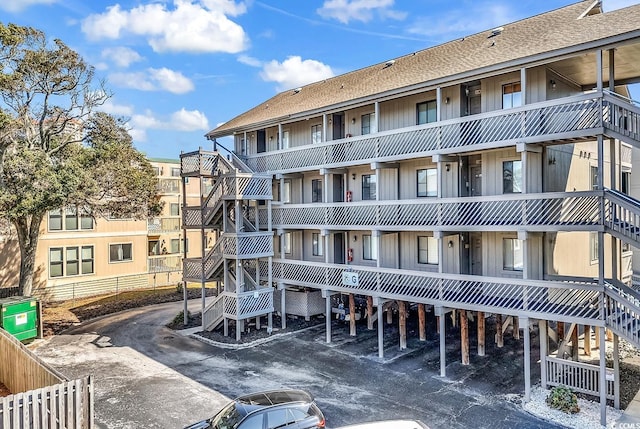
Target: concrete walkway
(632, 413)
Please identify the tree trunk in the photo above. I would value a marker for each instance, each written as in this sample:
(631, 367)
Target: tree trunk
(28, 230)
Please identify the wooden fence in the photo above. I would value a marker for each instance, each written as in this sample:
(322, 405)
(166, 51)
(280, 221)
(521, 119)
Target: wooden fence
(580, 377)
(44, 398)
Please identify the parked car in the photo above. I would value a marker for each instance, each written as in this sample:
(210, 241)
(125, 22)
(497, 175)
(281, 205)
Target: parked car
(291, 409)
(389, 424)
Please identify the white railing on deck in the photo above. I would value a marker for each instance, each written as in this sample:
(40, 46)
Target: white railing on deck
(622, 312)
(580, 377)
(570, 117)
(622, 216)
(535, 298)
(239, 306)
(566, 209)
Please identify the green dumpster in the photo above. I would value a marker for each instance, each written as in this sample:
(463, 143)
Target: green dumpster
(19, 317)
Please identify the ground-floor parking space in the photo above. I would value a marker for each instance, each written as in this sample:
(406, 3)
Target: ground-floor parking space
(149, 376)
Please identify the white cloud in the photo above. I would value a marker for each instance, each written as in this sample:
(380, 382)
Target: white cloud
(20, 5)
(294, 72)
(162, 79)
(121, 56)
(359, 10)
(477, 17)
(116, 109)
(250, 61)
(181, 120)
(190, 26)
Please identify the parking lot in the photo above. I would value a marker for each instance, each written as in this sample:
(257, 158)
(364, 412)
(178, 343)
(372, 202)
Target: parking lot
(149, 376)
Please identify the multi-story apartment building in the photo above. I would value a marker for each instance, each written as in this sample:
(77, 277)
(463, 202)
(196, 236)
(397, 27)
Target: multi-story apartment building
(488, 175)
(79, 255)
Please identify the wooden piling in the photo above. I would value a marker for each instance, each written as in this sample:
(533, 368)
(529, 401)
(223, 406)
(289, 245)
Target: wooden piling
(560, 331)
(464, 337)
(437, 324)
(352, 315)
(481, 335)
(574, 344)
(389, 316)
(370, 313)
(587, 340)
(402, 324)
(516, 327)
(499, 333)
(421, 323)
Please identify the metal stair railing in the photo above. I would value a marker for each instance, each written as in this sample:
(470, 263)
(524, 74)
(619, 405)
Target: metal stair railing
(622, 216)
(622, 118)
(622, 312)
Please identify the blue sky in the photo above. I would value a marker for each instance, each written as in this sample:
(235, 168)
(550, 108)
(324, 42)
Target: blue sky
(178, 68)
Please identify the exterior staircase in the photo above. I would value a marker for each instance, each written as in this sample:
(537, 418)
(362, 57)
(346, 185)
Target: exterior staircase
(229, 207)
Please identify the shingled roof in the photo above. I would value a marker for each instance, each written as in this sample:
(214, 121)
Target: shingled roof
(567, 27)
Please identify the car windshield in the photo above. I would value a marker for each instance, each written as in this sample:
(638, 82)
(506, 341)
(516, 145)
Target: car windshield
(228, 418)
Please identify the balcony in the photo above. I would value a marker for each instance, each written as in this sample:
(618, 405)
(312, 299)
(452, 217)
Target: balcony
(169, 185)
(161, 225)
(573, 118)
(533, 298)
(164, 263)
(509, 212)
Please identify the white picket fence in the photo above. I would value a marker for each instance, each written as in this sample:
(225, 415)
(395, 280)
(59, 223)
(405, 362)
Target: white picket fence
(579, 376)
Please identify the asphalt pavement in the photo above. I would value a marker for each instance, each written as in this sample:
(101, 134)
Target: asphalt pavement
(147, 375)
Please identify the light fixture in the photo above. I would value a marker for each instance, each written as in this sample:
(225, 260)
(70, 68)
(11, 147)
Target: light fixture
(355, 238)
(446, 100)
(450, 244)
(553, 85)
(270, 138)
(353, 176)
(353, 120)
(447, 167)
(466, 91)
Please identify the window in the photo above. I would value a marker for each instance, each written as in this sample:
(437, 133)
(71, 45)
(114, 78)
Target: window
(175, 245)
(70, 261)
(512, 257)
(156, 171)
(368, 123)
(368, 186)
(316, 191)
(316, 134)
(285, 140)
(594, 177)
(511, 177)
(286, 192)
(316, 241)
(287, 243)
(369, 248)
(427, 182)
(511, 95)
(174, 209)
(426, 112)
(69, 219)
(120, 252)
(593, 246)
(625, 182)
(428, 250)
(175, 171)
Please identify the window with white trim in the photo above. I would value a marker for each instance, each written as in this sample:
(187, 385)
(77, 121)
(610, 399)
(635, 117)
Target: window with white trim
(316, 243)
(368, 123)
(287, 243)
(316, 134)
(427, 250)
(120, 252)
(69, 220)
(316, 191)
(427, 182)
(369, 186)
(511, 177)
(71, 261)
(512, 254)
(369, 247)
(426, 112)
(511, 95)
(593, 247)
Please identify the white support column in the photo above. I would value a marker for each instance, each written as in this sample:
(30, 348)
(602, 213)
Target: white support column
(324, 127)
(438, 105)
(599, 70)
(523, 85)
(327, 310)
(280, 136)
(542, 329)
(527, 358)
(603, 377)
(438, 235)
(326, 187)
(616, 372)
(281, 189)
(378, 247)
(283, 305)
(270, 280)
(443, 350)
(380, 330)
(377, 184)
(376, 107)
(325, 236)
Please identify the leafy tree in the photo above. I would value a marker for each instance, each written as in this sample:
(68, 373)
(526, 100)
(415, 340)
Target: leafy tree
(56, 151)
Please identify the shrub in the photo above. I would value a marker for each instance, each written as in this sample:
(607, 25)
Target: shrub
(179, 320)
(562, 398)
(179, 287)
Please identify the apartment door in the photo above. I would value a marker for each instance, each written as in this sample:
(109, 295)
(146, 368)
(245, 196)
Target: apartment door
(261, 136)
(338, 126)
(338, 248)
(338, 188)
(471, 96)
(475, 173)
(475, 241)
